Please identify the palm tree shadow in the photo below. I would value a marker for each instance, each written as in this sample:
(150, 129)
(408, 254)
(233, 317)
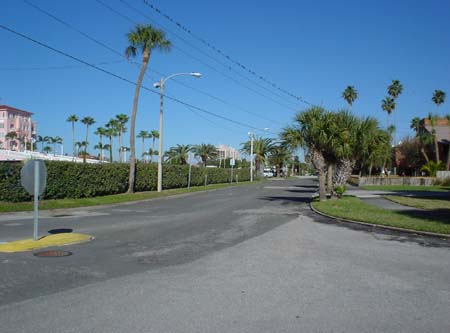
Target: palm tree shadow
(439, 215)
(287, 199)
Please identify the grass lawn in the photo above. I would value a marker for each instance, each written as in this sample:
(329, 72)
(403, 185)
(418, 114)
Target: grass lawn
(422, 203)
(107, 199)
(355, 209)
(405, 188)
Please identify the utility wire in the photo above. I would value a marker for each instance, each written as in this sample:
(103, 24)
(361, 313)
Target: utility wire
(55, 67)
(125, 79)
(133, 62)
(199, 50)
(126, 3)
(223, 54)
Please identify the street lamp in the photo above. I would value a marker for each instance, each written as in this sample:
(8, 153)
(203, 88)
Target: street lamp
(160, 85)
(250, 134)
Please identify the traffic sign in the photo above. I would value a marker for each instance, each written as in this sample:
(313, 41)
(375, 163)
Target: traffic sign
(28, 176)
(232, 162)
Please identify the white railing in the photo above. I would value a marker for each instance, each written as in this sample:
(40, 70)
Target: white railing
(11, 155)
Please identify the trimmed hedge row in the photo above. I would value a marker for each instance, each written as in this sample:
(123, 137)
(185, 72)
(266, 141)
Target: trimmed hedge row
(80, 180)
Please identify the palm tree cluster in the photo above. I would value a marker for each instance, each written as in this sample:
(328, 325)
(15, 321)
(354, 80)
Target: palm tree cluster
(51, 140)
(77, 146)
(143, 135)
(337, 141)
(180, 153)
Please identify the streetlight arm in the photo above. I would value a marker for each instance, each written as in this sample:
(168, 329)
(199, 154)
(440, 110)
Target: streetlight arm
(195, 74)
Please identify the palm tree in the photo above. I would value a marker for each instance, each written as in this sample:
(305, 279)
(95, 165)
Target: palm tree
(205, 152)
(262, 147)
(111, 132)
(424, 138)
(350, 94)
(144, 38)
(11, 136)
(73, 119)
(54, 141)
(279, 155)
(154, 134)
(101, 132)
(88, 121)
(47, 149)
(395, 89)
(433, 120)
(388, 105)
(447, 166)
(143, 135)
(179, 154)
(438, 97)
(122, 119)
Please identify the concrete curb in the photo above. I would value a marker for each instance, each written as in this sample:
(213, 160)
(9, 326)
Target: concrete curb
(401, 230)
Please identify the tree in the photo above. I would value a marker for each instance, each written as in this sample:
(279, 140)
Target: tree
(143, 135)
(73, 119)
(143, 38)
(111, 132)
(179, 154)
(350, 94)
(279, 155)
(122, 119)
(205, 152)
(101, 132)
(47, 149)
(11, 136)
(447, 166)
(42, 140)
(431, 168)
(54, 141)
(388, 105)
(423, 137)
(262, 147)
(88, 121)
(154, 134)
(395, 89)
(438, 97)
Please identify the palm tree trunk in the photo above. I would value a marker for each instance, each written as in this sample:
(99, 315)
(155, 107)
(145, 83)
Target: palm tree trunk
(436, 147)
(447, 167)
(101, 148)
(330, 178)
(110, 149)
(85, 146)
(73, 138)
(143, 151)
(120, 147)
(422, 150)
(319, 164)
(153, 150)
(131, 180)
(370, 169)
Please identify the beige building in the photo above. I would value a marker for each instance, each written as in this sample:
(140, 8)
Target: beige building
(228, 152)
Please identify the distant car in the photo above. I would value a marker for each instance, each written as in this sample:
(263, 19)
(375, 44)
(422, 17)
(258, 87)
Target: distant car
(268, 173)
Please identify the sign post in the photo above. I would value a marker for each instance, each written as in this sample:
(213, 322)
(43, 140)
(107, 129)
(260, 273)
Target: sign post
(33, 176)
(232, 163)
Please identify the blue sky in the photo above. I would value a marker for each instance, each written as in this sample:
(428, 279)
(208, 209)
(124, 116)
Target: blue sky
(313, 49)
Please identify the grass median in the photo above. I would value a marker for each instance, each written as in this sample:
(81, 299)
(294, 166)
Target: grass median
(421, 203)
(355, 209)
(108, 199)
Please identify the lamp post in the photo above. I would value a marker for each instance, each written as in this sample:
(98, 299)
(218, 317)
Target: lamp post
(160, 85)
(251, 155)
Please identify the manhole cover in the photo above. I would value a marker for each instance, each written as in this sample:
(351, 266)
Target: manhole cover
(53, 253)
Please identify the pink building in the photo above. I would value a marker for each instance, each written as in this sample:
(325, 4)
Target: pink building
(16, 121)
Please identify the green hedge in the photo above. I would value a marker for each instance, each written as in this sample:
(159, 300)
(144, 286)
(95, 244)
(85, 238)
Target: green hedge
(80, 180)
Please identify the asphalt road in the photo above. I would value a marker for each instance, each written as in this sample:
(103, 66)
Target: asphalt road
(245, 259)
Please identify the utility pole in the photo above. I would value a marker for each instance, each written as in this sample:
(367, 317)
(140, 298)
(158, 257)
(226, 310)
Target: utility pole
(251, 155)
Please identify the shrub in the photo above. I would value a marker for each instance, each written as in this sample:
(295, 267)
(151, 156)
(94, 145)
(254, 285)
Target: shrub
(80, 180)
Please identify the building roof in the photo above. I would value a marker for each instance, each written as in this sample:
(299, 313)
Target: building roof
(10, 108)
(442, 128)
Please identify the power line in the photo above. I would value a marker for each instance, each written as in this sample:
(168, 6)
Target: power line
(55, 67)
(201, 51)
(223, 54)
(125, 79)
(68, 25)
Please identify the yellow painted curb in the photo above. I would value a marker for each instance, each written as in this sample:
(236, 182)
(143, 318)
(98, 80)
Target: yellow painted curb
(45, 241)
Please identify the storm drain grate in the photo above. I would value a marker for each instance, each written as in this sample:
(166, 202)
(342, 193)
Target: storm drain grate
(53, 253)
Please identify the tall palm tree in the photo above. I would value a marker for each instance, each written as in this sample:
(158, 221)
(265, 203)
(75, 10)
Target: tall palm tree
(179, 154)
(73, 119)
(394, 90)
(111, 132)
(154, 134)
(101, 147)
(438, 97)
(143, 38)
(388, 105)
(88, 121)
(350, 94)
(47, 149)
(205, 152)
(447, 166)
(433, 120)
(279, 155)
(122, 119)
(143, 135)
(262, 147)
(101, 132)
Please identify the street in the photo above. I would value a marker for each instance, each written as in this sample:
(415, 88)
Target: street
(252, 258)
